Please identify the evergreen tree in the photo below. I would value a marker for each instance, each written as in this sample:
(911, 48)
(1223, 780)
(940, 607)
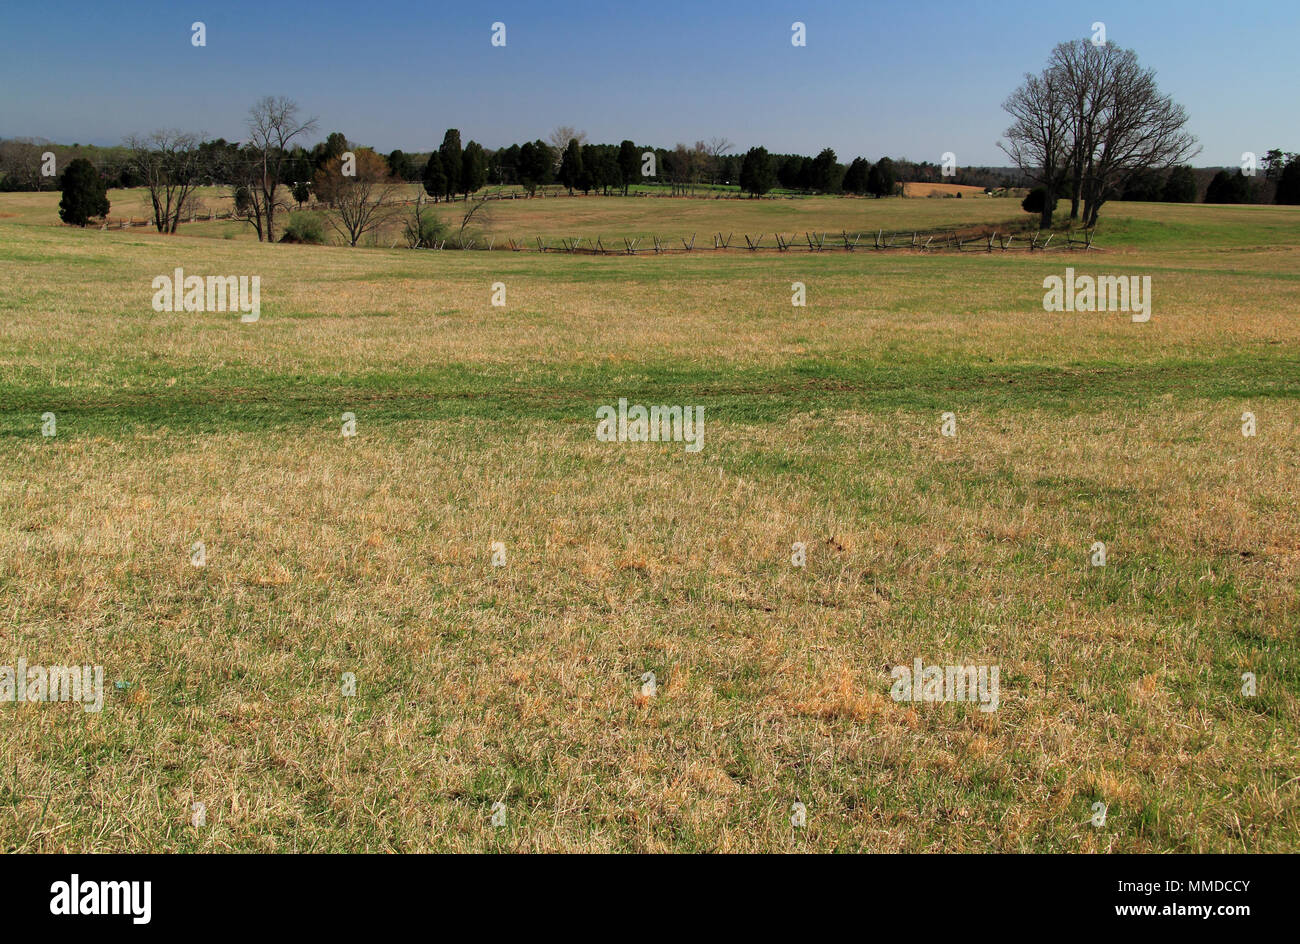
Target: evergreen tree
(435, 179)
(1180, 187)
(452, 161)
(1288, 183)
(473, 168)
(882, 178)
(571, 165)
(84, 193)
(855, 178)
(629, 164)
(400, 165)
(756, 174)
(822, 172)
(1228, 188)
(536, 163)
(335, 143)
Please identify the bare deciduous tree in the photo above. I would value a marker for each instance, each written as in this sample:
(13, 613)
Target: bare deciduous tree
(561, 136)
(1038, 137)
(1079, 71)
(423, 230)
(242, 172)
(684, 167)
(715, 148)
(559, 139)
(20, 162)
(473, 209)
(170, 163)
(1096, 119)
(1130, 127)
(272, 124)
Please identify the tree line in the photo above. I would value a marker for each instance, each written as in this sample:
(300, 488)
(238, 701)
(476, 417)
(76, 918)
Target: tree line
(1092, 126)
(173, 164)
(1278, 181)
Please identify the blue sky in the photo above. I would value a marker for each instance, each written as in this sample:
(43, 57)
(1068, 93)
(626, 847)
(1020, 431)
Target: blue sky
(908, 80)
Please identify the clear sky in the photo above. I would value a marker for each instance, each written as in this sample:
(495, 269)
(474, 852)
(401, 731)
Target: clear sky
(906, 79)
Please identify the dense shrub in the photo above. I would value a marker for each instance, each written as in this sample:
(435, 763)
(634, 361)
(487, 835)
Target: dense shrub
(304, 228)
(431, 232)
(1033, 202)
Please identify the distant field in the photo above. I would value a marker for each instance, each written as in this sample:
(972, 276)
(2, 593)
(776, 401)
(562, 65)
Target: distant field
(609, 217)
(1139, 226)
(475, 424)
(942, 190)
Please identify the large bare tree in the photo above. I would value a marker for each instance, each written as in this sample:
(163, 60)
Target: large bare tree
(1131, 128)
(1037, 141)
(273, 123)
(1095, 119)
(170, 163)
(1080, 69)
(715, 148)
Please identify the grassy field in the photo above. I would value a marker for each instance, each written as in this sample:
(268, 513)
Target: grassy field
(612, 218)
(521, 684)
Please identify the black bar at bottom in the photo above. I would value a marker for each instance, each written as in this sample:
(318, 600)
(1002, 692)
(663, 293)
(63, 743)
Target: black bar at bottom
(330, 894)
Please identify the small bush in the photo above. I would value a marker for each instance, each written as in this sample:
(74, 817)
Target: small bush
(1033, 203)
(431, 232)
(304, 228)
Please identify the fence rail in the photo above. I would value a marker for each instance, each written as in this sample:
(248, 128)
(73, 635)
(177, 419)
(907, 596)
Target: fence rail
(921, 241)
(807, 241)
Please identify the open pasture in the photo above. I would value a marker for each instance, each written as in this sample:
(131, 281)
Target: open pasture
(521, 684)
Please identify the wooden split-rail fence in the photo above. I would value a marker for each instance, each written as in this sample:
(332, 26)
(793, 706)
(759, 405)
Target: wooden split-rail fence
(915, 240)
(805, 242)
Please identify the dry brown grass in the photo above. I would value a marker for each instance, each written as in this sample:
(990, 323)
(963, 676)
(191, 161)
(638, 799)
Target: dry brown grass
(328, 555)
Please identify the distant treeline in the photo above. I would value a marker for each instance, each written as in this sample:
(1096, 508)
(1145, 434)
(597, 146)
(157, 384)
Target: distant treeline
(1276, 180)
(615, 168)
(455, 169)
